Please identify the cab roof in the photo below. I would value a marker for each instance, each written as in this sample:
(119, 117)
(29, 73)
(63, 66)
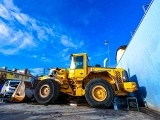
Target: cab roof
(80, 54)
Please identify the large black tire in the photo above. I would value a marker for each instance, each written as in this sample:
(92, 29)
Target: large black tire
(46, 91)
(99, 93)
(56, 91)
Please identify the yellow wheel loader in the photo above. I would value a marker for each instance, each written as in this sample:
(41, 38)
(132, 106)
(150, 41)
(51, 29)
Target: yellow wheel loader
(98, 84)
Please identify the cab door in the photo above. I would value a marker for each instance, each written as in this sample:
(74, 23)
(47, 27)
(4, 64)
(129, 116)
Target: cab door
(80, 67)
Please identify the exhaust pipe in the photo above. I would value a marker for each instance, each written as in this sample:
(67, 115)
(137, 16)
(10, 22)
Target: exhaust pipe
(105, 61)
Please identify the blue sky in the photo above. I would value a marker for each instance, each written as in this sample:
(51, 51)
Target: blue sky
(42, 34)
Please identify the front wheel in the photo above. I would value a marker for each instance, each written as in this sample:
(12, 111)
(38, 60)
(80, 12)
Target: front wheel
(99, 93)
(46, 91)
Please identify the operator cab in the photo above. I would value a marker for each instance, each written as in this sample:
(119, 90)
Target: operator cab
(78, 67)
(76, 62)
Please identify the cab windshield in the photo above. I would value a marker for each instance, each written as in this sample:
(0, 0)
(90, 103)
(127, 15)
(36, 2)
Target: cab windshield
(76, 62)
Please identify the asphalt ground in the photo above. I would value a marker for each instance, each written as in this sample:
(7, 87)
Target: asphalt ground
(34, 111)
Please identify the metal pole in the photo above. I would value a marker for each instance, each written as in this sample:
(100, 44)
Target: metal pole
(107, 43)
(108, 56)
(44, 71)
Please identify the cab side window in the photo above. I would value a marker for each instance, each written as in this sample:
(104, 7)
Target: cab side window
(79, 62)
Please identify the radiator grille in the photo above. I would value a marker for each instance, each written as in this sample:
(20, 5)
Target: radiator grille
(118, 77)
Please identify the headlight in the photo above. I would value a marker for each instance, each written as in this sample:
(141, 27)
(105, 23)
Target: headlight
(125, 76)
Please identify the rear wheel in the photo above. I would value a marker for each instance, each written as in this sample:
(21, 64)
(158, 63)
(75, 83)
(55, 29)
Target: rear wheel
(99, 93)
(46, 91)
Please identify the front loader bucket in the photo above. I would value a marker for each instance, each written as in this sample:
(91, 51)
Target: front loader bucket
(19, 93)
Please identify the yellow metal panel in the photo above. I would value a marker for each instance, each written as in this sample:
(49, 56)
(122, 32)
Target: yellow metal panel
(129, 86)
(65, 88)
(14, 76)
(79, 74)
(70, 74)
(79, 90)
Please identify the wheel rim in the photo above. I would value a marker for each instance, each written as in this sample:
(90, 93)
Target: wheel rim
(44, 91)
(99, 93)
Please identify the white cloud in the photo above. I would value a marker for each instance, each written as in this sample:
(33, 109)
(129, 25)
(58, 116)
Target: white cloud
(81, 43)
(64, 54)
(8, 51)
(4, 12)
(29, 33)
(34, 56)
(65, 50)
(37, 71)
(21, 18)
(17, 41)
(4, 30)
(19, 32)
(66, 42)
(45, 59)
(27, 42)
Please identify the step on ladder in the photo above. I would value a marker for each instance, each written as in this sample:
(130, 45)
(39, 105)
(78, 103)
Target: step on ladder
(129, 99)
